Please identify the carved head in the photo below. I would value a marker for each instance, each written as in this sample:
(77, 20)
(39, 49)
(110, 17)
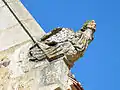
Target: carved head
(89, 27)
(89, 24)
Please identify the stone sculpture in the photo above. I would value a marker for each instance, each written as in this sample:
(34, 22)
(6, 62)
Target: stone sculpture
(63, 43)
(47, 67)
(45, 63)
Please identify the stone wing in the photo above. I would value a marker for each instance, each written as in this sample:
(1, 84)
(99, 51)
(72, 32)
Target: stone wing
(11, 32)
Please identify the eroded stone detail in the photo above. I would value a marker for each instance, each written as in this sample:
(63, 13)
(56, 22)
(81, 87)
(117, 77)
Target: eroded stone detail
(47, 67)
(63, 42)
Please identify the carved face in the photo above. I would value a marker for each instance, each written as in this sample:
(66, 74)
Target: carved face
(89, 24)
(92, 25)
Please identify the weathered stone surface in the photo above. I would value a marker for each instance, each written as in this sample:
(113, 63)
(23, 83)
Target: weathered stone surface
(7, 20)
(18, 8)
(9, 1)
(10, 30)
(1, 4)
(23, 74)
(25, 66)
(9, 40)
(19, 72)
(33, 27)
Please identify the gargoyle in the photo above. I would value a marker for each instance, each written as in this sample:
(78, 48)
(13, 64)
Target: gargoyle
(64, 43)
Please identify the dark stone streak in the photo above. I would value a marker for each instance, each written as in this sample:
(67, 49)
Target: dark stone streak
(5, 63)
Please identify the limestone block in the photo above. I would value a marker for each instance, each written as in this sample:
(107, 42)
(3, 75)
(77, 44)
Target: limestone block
(19, 10)
(16, 35)
(50, 87)
(11, 33)
(1, 4)
(11, 1)
(6, 18)
(33, 27)
(8, 1)
(22, 74)
(12, 36)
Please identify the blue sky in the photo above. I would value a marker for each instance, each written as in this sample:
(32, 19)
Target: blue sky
(99, 69)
